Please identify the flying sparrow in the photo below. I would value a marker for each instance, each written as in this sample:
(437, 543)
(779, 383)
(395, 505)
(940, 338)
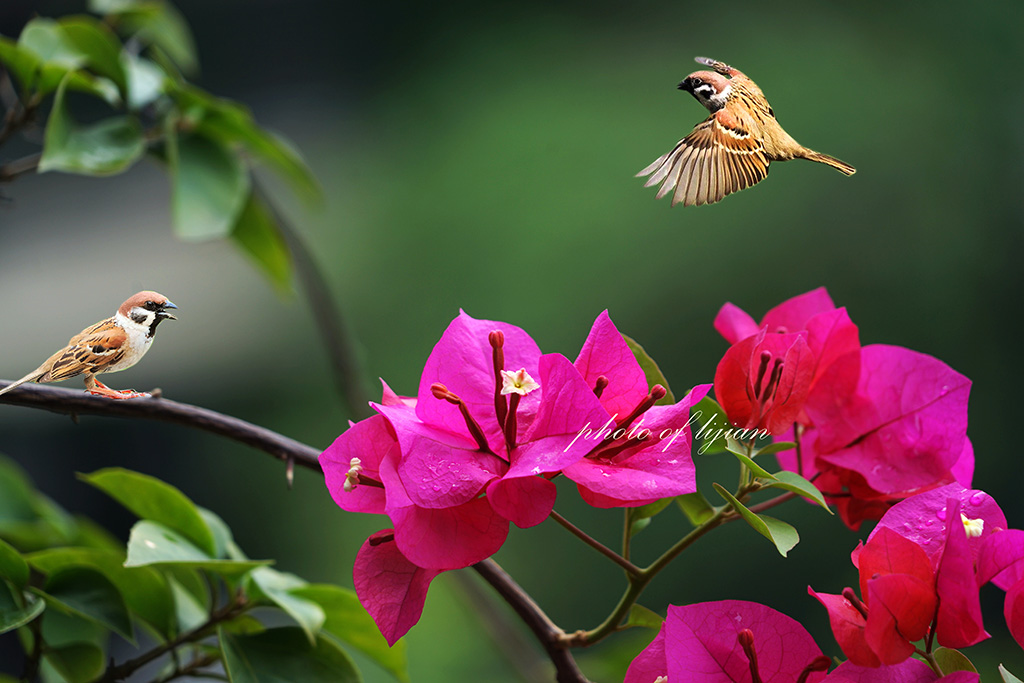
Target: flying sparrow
(112, 345)
(731, 149)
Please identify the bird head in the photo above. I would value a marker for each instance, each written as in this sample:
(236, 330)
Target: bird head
(148, 309)
(709, 88)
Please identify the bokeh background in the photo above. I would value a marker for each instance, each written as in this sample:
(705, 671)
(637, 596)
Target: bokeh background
(480, 155)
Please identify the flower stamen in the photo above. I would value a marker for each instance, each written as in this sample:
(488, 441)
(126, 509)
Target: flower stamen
(355, 466)
(746, 641)
(440, 391)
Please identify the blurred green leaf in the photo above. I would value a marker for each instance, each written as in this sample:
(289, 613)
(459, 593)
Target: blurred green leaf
(22, 63)
(712, 419)
(56, 54)
(153, 22)
(211, 185)
(791, 481)
(13, 566)
(104, 148)
(348, 621)
(257, 234)
(87, 593)
(98, 46)
(950, 660)
(641, 616)
(145, 591)
(651, 370)
(783, 535)
(275, 586)
(146, 81)
(640, 517)
(17, 608)
(28, 519)
(776, 447)
(157, 501)
(1007, 676)
(190, 613)
(284, 654)
(758, 471)
(151, 543)
(696, 507)
(77, 663)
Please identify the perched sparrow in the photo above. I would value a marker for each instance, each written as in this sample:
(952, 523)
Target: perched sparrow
(731, 149)
(112, 345)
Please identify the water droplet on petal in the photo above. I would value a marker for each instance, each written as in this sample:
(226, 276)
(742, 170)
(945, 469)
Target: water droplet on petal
(977, 499)
(941, 514)
(929, 522)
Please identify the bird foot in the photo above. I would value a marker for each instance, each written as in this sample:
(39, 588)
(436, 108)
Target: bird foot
(100, 389)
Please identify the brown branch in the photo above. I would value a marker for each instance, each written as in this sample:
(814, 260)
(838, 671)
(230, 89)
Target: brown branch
(74, 403)
(552, 638)
(333, 331)
(19, 167)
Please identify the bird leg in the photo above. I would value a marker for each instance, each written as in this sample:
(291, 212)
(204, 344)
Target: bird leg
(98, 388)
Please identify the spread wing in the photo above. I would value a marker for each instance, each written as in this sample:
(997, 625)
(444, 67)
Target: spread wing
(92, 351)
(718, 158)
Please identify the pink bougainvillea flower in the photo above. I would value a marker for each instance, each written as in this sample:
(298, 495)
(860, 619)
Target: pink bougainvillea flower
(902, 432)
(908, 671)
(639, 451)
(729, 640)
(762, 381)
(390, 587)
(917, 575)
(832, 340)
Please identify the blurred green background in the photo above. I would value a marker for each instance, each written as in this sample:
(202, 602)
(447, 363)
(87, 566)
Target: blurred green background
(480, 155)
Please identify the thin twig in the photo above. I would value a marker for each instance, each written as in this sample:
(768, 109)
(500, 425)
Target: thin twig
(72, 402)
(630, 568)
(19, 167)
(333, 331)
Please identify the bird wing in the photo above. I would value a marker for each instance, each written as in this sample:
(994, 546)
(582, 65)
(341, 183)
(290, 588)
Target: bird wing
(93, 350)
(718, 158)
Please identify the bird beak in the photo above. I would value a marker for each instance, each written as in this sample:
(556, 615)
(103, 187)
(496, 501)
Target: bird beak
(686, 84)
(165, 314)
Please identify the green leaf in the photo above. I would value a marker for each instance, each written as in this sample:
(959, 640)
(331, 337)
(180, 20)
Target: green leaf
(641, 616)
(776, 447)
(350, 623)
(222, 538)
(696, 507)
(17, 608)
(712, 420)
(12, 565)
(154, 23)
(87, 593)
(950, 660)
(99, 47)
(151, 543)
(56, 53)
(791, 481)
(257, 234)
(784, 536)
(275, 587)
(156, 501)
(1007, 676)
(145, 590)
(77, 663)
(651, 370)
(189, 611)
(104, 148)
(279, 655)
(231, 124)
(28, 519)
(146, 81)
(758, 471)
(211, 185)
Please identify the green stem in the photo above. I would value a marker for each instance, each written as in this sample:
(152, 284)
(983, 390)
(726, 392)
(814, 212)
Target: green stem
(630, 568)
(626, 535)
(638, 582)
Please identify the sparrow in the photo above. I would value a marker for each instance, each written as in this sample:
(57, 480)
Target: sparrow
(111, 345)
(731, 149)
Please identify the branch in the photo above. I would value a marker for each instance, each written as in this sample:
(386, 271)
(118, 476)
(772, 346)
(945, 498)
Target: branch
(630, 568)
(75, 403)
(12, 169)
(333, 331)
(552, 638)
(71, 402)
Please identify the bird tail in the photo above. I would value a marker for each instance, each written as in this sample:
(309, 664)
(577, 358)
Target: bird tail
(840, 166)
(33, 376)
